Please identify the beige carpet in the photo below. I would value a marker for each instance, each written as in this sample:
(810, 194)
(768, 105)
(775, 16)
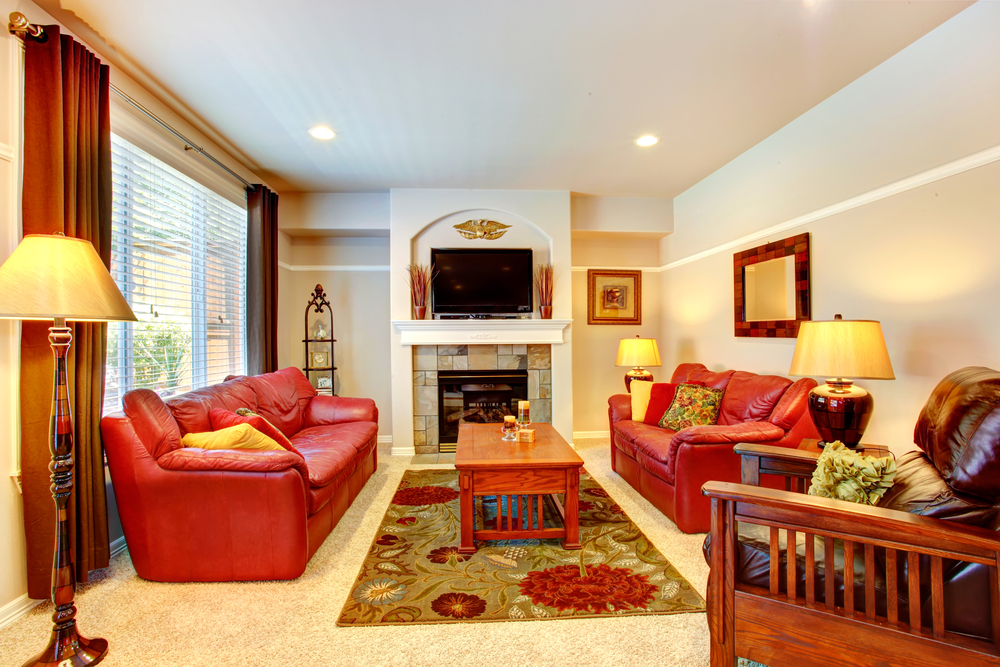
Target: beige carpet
(284, 623)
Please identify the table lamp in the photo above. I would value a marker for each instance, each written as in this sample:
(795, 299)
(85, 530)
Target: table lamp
(638, 352)
(841, 348)
(61, 278)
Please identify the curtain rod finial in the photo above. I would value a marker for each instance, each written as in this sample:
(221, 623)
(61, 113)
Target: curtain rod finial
(19, 24)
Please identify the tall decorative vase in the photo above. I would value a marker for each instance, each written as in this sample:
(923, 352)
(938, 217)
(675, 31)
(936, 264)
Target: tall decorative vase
(419, 312)
(545, 312)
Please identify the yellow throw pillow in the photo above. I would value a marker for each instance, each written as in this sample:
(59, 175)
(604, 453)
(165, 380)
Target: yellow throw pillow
(241, 436)
(641, 392)
(844, 474)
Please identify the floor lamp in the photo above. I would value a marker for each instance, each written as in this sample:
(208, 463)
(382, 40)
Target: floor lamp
(61, 278)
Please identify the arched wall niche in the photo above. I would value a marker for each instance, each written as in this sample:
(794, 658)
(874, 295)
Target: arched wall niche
(441, 233)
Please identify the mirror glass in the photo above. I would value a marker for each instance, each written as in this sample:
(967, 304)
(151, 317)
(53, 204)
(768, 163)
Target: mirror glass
(769, 290)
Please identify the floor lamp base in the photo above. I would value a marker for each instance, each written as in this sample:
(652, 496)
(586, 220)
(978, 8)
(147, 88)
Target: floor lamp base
(67, 647)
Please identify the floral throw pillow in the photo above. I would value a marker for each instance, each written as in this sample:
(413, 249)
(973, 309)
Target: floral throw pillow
(692, 406)
(844, 474)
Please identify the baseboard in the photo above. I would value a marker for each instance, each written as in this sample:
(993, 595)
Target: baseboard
(12, 611)
(403, 451)
(118, 546)
(590, 435)
(385, 440)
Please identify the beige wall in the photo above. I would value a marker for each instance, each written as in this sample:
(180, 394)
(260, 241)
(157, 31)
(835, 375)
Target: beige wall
(595, 376)
(360, 300)
(921, 261)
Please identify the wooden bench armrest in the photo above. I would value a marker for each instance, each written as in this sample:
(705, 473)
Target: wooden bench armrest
(757, 460)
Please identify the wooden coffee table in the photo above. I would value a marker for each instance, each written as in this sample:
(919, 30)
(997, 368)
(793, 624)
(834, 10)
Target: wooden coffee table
(519, 474)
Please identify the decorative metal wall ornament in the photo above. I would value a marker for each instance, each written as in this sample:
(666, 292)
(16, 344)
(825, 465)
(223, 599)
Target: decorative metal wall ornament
(489, 230)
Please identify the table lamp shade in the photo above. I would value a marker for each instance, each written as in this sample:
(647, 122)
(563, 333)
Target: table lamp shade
(842, 348)
(49, 277)
(638, 352)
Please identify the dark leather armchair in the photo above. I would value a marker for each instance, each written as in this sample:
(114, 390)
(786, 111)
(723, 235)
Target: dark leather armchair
(920, 585)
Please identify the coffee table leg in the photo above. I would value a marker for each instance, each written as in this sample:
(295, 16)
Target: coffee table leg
(572, 518)
(468, 513)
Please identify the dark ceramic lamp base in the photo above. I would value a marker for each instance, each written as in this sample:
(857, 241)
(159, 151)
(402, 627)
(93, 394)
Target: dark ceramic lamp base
(640, 374)
(841, 416)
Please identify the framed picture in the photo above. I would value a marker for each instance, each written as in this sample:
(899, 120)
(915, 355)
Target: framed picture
(324, 382)
(319, 359)
(614, 297)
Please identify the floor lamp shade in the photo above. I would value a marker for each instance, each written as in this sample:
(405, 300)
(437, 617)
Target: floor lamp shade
(638, 352)
(51, 277)
(838, 350)
(61, 278)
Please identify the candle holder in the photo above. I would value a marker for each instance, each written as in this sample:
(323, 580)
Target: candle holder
(509, 428)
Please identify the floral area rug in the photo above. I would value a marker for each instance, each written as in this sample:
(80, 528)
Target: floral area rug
(414, 574)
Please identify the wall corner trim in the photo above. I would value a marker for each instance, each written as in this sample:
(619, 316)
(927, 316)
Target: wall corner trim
(14, 610)
(6, 152)
(953, 168)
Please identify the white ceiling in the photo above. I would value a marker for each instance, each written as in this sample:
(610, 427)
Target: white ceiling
(514, 94)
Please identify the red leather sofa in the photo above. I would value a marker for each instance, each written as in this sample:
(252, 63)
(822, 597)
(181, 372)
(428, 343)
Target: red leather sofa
(668, 468)
(236, 515)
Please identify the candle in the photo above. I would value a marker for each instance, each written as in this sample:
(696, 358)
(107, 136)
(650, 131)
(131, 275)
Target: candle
(509, 418)
(523, 412)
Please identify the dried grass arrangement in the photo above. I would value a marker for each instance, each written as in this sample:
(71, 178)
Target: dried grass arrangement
(544, 281)
(419, 277)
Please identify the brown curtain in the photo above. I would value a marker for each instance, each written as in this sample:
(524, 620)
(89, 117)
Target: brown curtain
(66, 188)
(262, 280)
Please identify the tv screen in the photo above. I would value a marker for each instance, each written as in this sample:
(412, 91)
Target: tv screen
(482, 281)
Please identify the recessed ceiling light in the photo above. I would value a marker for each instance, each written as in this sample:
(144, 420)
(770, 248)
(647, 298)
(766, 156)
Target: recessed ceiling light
(647, 140)
(320, 132)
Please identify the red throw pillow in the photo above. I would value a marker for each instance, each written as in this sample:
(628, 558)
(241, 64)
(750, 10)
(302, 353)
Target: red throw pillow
(224, 419)
(660, 399)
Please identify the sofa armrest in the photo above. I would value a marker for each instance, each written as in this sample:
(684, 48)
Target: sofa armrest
(233, 460)
(744, 432)
(326, 410)
(619, 408)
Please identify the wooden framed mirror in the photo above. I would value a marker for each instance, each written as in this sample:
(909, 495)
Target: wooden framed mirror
(771, 288)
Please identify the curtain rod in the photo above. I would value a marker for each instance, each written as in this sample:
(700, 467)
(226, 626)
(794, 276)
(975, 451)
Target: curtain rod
(20, 26)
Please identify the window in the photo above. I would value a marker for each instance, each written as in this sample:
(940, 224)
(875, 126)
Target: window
(178, 254)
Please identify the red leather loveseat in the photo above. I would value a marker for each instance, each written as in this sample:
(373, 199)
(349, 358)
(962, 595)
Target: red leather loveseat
(193, 514)
(668, 468)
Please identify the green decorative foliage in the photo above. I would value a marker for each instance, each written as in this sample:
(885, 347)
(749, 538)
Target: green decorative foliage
(844, 474)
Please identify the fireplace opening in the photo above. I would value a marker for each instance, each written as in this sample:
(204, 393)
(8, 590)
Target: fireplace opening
(476, 397)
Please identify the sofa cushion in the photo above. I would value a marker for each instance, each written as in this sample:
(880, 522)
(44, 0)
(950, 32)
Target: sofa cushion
(793, 404)
(959, 428)
(240, 436)
(628, 431)
(920, 489)
(692, 406)
(152, 422)
(191, 409)
(330, 450)
(699, 373)
(751, 398)
(277, 400)
(224, 419)
(303, 388)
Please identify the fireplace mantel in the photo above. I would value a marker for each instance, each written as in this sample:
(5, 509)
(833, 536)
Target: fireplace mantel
(481, 332)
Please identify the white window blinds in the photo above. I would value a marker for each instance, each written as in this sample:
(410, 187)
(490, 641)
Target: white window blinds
(178, 254)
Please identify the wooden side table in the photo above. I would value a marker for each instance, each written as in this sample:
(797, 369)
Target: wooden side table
(878, 451)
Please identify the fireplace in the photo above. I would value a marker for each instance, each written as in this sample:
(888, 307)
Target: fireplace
(476, 397)
(525, 369)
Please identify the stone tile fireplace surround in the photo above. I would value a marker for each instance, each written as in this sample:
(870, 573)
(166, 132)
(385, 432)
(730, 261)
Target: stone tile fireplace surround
(429, 359)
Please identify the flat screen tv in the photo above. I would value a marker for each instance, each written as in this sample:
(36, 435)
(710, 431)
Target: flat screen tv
(482, 281)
